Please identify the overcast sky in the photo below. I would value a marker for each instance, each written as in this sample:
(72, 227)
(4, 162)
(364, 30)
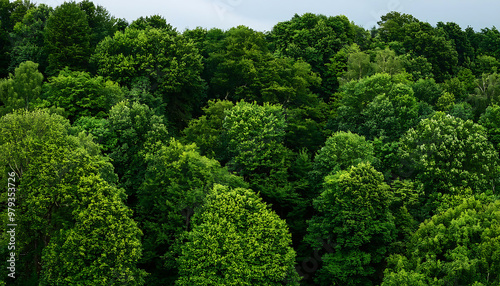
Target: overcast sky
(262, 15)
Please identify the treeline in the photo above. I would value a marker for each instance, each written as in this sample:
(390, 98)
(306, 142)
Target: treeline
(318, 153)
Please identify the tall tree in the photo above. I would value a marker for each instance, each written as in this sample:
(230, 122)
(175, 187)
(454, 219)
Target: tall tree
(354, 217)
(75, 226)
(315, 39)
(67, 38)
(28, 38)
(255, 136)
(80, 94)
(170, 62)
(392, 26)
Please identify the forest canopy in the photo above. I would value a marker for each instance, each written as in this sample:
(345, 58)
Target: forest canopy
(316, 153)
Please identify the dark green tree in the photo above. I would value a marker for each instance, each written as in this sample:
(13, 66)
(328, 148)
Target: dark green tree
(28, 38)
(133, 130)
(491, 121)
(155, 22)
(391, 26)
(170, 62)
(67, 39)
(315, 39)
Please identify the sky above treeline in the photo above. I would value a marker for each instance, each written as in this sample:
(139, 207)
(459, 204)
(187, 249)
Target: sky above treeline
(262, 15)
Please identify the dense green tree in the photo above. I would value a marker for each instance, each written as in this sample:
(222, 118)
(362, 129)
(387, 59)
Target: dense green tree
(154, 21)
(462, 110)
(341, 151)
(457, 247)
(422, 40)
(102, 248)
(448, 155)
(306, 126)
(170, 62)
(390, 115)
(336, 69)
(246, 70)
(66, 201)
(418, 66)
(10, 14)
(313, 38)
(488, 42)
(427, 90)
(461, 42)
(176, 180)
(28, 38)
(22, 89)
(445, 102)
(380, 105)
(237, 240)
(255, 136)
(391, 26)
(80, 94)
(133, 130)
(67, 38)
(354, 217)
(486, 65)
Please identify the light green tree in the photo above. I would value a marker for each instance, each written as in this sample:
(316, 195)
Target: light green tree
(67, 200)
(459, 247)
(386, 61)
(80, 94)
(237, 240)
(358, 66)
(22, 89)
(448, 155)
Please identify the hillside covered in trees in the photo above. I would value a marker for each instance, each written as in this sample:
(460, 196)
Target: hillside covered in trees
(317, 153)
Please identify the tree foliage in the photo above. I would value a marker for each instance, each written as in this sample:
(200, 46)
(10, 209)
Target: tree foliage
(459, 246)
(354, 217)
(21, 90)
(236, 239)
(67, 38)
(449, 155)
(170, 62)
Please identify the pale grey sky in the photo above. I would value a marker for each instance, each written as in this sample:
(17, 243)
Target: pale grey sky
(262, 15)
